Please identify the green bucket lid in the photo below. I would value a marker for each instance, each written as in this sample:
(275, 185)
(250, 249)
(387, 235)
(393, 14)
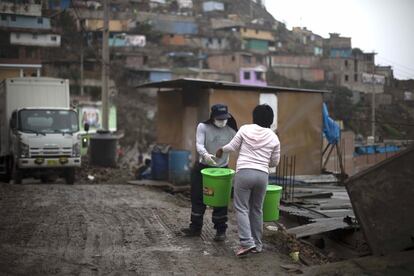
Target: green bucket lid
(217, 172)
(273, 188)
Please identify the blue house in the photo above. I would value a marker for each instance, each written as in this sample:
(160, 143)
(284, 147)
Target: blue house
(340, 52)
(59, 4)
(26, 22)
(160, 75)
(175, 27)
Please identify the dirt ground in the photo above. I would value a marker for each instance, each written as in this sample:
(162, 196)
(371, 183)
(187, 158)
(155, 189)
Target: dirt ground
(104, 229)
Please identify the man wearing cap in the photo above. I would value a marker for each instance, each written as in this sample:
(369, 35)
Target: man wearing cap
(211, 135)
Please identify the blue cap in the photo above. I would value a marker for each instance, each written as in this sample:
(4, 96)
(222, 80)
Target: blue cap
(219, 112)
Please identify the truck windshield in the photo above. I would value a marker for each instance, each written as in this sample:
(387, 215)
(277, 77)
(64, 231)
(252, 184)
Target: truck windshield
(48, 121)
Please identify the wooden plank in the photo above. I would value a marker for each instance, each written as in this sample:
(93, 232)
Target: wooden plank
(161, 184)
(335, 206)
(321, 201)
(298, 212)
(314, 195)
(326, 219)
(337, 213)
(152, 183)
(323, 178)
(319, 227)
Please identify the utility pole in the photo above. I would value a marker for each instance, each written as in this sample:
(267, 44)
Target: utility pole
(200, 65)
(81, 65)
(373, 103)
(105, 66)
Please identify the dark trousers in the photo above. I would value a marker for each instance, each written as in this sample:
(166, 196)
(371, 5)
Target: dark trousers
(198, 208)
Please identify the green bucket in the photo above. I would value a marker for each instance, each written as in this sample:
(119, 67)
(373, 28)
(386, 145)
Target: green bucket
(217, 186)
(271, 203)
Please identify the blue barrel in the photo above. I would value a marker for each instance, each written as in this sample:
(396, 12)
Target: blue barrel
(179, 166)
(159, 165)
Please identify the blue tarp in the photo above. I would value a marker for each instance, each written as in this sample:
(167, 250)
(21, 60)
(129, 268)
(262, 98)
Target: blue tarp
(331, 129)
(361, 150)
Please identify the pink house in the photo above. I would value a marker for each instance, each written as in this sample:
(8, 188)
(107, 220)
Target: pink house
(253, 76)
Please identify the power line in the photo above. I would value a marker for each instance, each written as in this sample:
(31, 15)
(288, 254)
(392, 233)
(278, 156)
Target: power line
(383, 122)
(404, 71)
(401, 70)
(403, 74)
(389, 60)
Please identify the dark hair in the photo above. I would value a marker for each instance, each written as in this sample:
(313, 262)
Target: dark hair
(263, 115)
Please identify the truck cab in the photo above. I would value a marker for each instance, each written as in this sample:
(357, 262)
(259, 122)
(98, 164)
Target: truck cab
(45, 143)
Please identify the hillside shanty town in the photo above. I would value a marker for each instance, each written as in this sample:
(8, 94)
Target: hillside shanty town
(201, 137)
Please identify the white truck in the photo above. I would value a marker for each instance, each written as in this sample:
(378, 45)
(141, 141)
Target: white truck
(39, 132)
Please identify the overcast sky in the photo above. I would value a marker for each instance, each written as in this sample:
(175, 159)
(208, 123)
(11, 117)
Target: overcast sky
(383, 26)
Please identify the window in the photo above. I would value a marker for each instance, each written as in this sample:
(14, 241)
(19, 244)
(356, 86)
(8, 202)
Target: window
(31, 52)
(233, 58)
(171, 35)
(346, 77)
(53, 38)
(247, 59)
(34, 36)
(219, 41)
(356, 77)
(244, 30)
(355, 65)
(210, 40)
(39, 20)
(18, 35)
(346, 63)
(89, 66)
(48, 121)
(246, 75)
(257, 31)
(259, 60)
(259, 76)
(13, 17)
(3, 17)
(9, 52)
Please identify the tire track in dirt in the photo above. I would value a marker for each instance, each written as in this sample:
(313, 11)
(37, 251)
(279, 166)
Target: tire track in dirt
(110, 230)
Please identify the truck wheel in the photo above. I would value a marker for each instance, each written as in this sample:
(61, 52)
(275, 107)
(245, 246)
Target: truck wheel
(70, 176)
(48, 179)
(7, 169)
(16, 174)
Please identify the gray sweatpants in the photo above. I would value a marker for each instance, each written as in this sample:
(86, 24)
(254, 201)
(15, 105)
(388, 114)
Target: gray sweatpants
(249, 192)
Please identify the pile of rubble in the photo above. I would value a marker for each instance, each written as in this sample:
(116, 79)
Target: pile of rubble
(89, 174)
(298, 250)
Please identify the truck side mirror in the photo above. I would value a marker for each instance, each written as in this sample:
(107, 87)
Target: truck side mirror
(12, 124)
(13, 120)
(86, 127)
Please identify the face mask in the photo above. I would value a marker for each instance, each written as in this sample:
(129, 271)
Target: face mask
(220, 123)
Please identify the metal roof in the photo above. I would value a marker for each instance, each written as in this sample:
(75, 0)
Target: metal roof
(206, 84)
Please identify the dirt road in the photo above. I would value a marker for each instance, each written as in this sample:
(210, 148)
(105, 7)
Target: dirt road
(97, 229)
